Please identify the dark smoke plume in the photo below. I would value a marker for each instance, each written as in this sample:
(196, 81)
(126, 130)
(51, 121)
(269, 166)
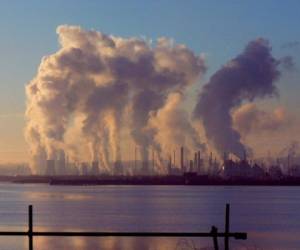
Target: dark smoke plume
(249, 76)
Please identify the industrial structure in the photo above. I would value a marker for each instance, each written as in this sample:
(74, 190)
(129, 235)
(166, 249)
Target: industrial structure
(189, 164)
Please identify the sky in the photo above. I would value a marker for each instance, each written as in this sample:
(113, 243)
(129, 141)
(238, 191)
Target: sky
(219, 29)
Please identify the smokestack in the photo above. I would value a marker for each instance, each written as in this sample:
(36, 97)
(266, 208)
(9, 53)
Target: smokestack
(225, 158)
(174, 163)
(199, 161)
(196, 161)
(50, 168)
(95, 168)
(170, 165)
(153, 160)
(145, 167)
(61, 163)
(182, 159)
(245, 155)
(84, 168)
(135, 149)
(118, 168)
(191, 166)
(210, 160)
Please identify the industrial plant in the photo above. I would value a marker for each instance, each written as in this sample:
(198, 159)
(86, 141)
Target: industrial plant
(201, 165)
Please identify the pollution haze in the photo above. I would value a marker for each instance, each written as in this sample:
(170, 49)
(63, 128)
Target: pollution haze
(114, 87)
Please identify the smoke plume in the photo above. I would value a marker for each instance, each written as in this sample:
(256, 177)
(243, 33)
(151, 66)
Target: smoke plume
(249, 76)
(92, 82)
(172, 115)
(250, 119)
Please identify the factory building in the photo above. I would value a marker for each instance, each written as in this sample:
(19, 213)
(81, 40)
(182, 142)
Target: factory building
(50, 167)
(95, 168)
(61, 164)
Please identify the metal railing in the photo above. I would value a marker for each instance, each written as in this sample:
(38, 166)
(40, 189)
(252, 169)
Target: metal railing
(214, 233)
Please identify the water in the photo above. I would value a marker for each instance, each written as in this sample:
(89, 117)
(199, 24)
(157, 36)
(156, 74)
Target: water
(270, 215)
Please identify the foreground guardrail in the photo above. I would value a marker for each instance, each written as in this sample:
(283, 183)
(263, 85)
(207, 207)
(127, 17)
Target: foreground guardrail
(214, 233)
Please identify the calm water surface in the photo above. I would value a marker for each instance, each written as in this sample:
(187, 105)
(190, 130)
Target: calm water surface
(270, 215)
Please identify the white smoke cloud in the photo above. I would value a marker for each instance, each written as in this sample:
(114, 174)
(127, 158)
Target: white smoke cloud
(86, 86)
(172, 127)
(249, 119)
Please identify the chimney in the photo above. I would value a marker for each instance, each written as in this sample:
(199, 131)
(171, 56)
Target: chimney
(199, 162)
(153, 160)
(224, 158)
(61, 163)
(196, 161)
(170, 165)
(135, 149)
(245, 155)
(191, 166)
(210, 160)
(174, 163)
(95, 167)
(182, 159)
(50, 168)
(84, 168)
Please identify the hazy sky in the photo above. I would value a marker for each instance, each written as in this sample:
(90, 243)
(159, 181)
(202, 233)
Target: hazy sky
(220, 29)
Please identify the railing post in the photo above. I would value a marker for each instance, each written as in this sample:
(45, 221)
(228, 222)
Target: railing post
(214, 232)
(30, 236)
(226, 238)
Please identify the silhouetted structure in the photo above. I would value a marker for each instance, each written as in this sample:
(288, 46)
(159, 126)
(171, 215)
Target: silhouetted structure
(84, 168)
(199, 161)
(61, 164)
(118, 168)
(95, 168)
(182, 159)
(50, 168)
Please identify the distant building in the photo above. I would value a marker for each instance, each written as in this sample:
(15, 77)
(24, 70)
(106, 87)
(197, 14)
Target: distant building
(170, 166)
(182, 160)
(258, 172)
(95, 168)
(275, 172)
(61, 164)
(84, 168)
(118, 168)
(294, 170)
(50, 167)
(240, 169)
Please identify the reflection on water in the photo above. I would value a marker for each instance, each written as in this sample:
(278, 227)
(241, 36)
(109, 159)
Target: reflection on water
(57, 196)
(270, 215)
(110, 243)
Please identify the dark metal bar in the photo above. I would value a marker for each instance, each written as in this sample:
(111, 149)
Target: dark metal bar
(126, 234)
(214, 231)
(226, 239)
(30, 226)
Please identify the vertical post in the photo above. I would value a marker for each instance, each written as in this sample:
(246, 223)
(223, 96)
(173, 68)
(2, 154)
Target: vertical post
(153, 161)
(214, 232)
(226, 238)
(30, 238)
(134, 158)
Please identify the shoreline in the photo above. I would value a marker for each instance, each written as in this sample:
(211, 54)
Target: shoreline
(171, 180)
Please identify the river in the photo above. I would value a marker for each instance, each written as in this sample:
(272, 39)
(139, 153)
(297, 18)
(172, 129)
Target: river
(270, 215)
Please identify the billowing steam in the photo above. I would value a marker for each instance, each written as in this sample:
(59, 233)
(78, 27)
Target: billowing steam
(171, 115)
(250, 119)
(92, 82)
(249, 76)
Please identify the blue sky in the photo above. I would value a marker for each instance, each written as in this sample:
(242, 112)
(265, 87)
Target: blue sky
(220, 29)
